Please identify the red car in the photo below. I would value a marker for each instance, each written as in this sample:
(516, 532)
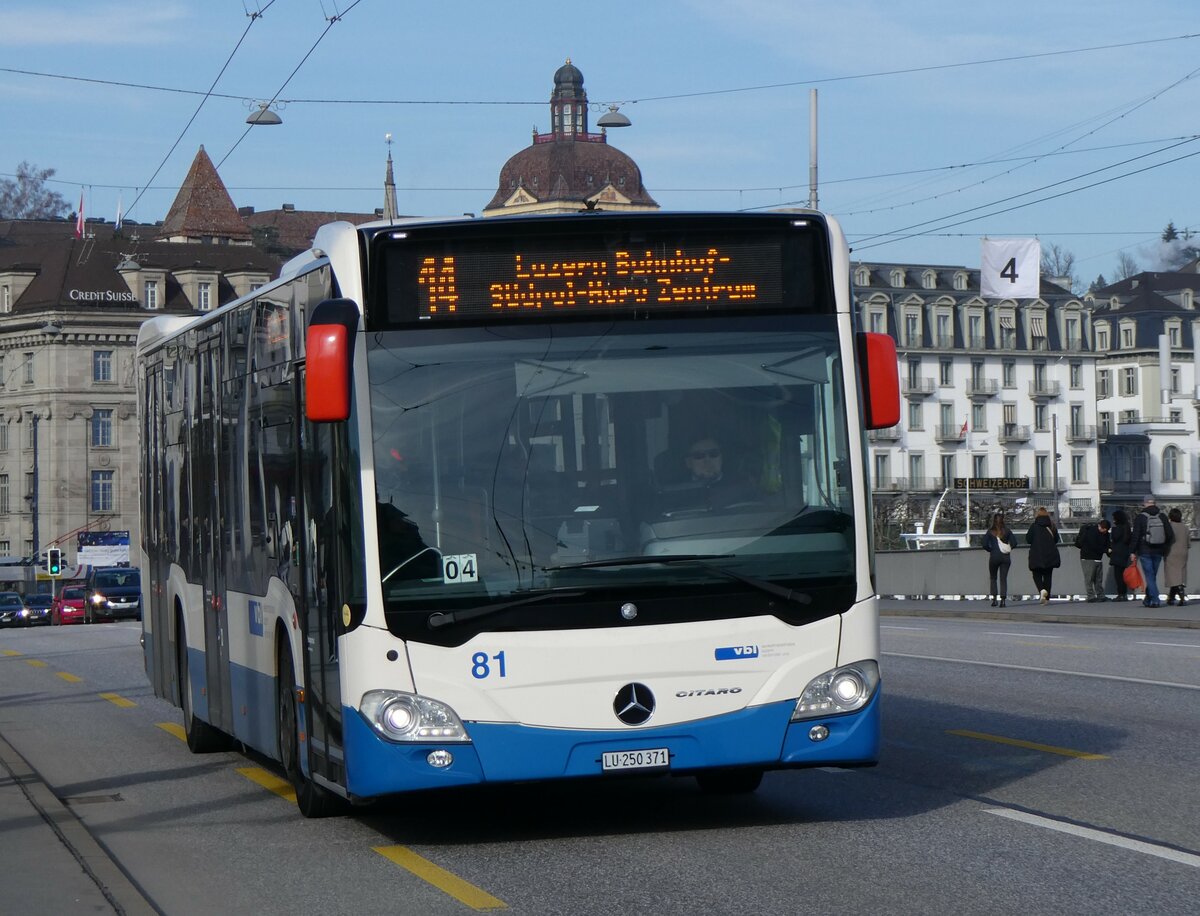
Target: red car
(68, 606)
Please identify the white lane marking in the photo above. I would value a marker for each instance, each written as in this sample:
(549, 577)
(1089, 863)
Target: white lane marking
(1173, 645)
(884, 626)
(1099, 836)
(1099, 677)
(1022, 635)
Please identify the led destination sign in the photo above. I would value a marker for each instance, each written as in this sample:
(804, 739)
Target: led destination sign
(539, 277)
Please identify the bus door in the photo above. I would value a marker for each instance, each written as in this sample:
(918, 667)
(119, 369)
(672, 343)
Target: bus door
(158, 649)
(210, 467)
(322, 521)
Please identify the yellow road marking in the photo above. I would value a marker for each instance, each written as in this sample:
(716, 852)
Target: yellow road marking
(447, 882)
(270, 781)
(117, 700)
(1030, 745)
(10, 652)
(70, 678)
(35, 663)
(172, 728)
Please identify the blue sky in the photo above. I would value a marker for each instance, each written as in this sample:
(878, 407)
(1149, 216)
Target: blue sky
(918, 156)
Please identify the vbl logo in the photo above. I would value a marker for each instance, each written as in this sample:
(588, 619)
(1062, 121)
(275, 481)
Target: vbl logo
(256, 618)
(727, 653)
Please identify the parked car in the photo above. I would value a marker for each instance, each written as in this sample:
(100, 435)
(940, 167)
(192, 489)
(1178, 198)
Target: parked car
(37, 608)
(12, 610)
(112, 592)
(68, 606)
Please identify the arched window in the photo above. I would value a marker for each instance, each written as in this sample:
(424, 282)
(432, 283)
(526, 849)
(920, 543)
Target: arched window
(1170, 463)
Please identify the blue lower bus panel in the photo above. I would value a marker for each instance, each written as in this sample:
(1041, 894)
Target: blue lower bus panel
(758, 737)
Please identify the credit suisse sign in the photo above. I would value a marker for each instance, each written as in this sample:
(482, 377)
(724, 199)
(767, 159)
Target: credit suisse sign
(98, 295)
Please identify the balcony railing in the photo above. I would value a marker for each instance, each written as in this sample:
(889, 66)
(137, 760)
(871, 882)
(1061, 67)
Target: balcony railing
(888, 434)
(1044, 389)
(982, 387)
(951, 433)
(1077, 432)
(916, 387)
(1011, 432)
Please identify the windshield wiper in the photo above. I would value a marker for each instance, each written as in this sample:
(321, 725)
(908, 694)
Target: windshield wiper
(440, 619)
(779, 591)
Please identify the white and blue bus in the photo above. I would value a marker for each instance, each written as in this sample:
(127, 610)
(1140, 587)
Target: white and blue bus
(476, 501)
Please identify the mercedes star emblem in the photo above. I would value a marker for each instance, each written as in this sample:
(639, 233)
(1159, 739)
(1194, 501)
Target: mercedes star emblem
(634, 704)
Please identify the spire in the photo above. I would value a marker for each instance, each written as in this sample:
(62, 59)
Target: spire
(203, 208)
(390, 211)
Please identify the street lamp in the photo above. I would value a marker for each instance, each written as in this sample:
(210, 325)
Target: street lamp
(613, 118)
(264, 117)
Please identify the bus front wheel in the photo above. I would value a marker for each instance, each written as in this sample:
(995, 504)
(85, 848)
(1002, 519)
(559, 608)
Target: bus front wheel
(311, 799)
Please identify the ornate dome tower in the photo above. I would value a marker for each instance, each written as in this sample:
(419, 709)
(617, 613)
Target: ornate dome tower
(569, 169)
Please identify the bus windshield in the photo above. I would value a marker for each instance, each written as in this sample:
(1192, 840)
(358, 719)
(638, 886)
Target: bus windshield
(597, 455)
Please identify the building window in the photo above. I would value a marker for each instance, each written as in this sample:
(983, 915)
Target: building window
(204, 296)
(1175, 380)
(1106, 424)
(878, 323)
(1173, 335)
(881, 469)
(28, 368)
(102, 366)
(1176, 416)
(898, 279)
(3, 434)
(150, 294)
(1101, 338)
(1126, 338)
(862, 277)
(975, 332)
(1078, 469)
(5, 298)
(1008, 371)
(1129, 380)
(1011, 466)
(102, 428)
(3, 374)
(945, 335)
(947, 470)
(916, 471)
(912, 329)
(1041, 471)
(946, 372)
(960, 281)
(929, 279)
(102, 491)
(1073, 340)
(4, 494)
(1170, 463)
(979, 466)
(28, 429)
(1076, 372)
(1039, 417)
(1104, 383)
(1127, 416)
(978, 418)
(914, 415)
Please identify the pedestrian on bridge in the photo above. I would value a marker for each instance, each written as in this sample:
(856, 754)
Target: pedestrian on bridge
(998, 541)
(1093, 544)
(1175, 565)
(1044, 558)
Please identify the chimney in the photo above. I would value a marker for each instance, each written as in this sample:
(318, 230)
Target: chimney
(289, 208)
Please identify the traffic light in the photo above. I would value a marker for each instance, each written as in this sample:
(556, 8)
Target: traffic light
(54, 561)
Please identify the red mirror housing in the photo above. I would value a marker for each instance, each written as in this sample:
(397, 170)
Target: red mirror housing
(880, 372)
(329, 361)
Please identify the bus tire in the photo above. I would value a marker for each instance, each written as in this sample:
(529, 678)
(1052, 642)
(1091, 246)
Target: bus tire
(312, 800)
(201, 737)
(729, 782)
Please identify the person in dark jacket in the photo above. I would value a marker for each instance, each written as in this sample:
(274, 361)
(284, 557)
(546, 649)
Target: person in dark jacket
(1093, 542)
(1044, 557)
(998, 541)
(1148, 549)
(1120, 538)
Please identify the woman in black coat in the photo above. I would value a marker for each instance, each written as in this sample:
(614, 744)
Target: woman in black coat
(1120, 539)
(999, 541)
(1044, 558)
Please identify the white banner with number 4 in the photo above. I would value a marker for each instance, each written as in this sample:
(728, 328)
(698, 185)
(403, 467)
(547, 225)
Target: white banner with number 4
(1011, 269)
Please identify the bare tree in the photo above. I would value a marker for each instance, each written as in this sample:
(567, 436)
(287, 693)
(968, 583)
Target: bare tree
(26, 196)
(1126, 266)
(1058, 262)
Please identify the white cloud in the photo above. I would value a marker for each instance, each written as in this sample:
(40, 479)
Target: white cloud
(115, 23)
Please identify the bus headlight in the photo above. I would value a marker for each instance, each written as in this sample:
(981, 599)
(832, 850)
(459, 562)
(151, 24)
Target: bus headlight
(843, 689)
(409, 717)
